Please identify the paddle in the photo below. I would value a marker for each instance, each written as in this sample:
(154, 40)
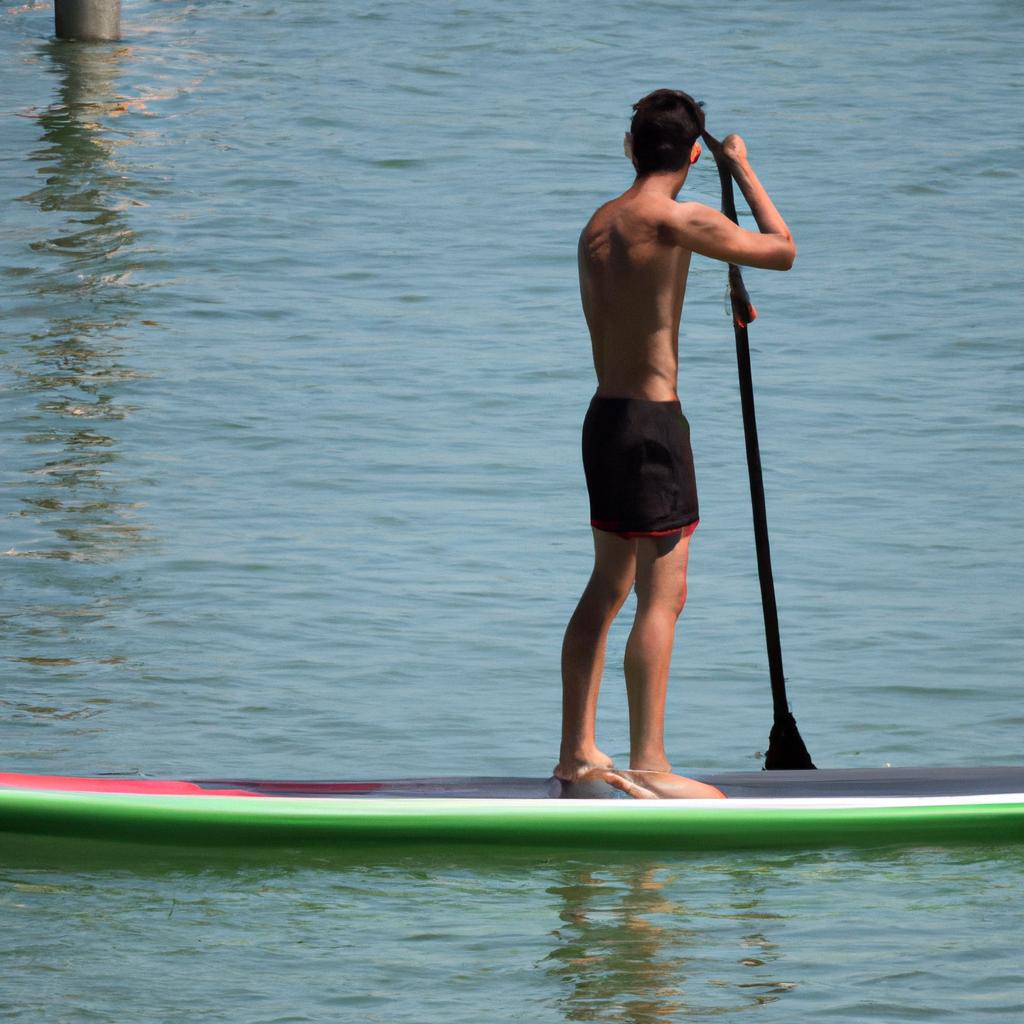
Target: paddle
(785, 746)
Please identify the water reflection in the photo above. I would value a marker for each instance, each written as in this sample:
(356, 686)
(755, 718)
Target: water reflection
(629, 950)
(81, 282)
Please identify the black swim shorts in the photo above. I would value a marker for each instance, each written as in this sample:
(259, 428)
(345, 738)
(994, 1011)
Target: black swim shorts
(639, 467)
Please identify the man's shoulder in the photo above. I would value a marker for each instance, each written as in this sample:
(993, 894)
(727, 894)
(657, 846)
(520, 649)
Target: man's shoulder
(660, 213)
(687, 210)
(608, 207)
(683, 221)
(666, 210)
(601, 219)
(642, 207)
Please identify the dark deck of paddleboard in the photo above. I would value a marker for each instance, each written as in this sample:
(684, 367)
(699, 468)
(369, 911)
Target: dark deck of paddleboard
(863, 782)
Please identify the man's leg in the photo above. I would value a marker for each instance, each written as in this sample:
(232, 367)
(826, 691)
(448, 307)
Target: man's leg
(660, 596)
(583, 652)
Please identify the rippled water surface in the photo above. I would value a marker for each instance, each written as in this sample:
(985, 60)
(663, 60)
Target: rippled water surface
(293, 370)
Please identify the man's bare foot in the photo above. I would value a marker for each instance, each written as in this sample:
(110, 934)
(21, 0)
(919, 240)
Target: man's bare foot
(642, 785)
(572, 769)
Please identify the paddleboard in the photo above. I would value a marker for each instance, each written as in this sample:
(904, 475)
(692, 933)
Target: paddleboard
(777, 809)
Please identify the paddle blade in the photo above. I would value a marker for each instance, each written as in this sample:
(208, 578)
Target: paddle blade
(786, 750)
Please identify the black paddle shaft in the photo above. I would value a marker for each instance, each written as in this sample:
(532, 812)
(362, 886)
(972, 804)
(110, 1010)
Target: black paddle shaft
(786, 749)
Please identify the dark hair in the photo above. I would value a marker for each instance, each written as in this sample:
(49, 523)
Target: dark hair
(665, 125)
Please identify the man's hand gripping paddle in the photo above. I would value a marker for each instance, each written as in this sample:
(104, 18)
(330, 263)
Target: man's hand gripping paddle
(786, 748)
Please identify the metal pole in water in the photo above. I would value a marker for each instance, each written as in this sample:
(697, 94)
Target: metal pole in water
(89, 20)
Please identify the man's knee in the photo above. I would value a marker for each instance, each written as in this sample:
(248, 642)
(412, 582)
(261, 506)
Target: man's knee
(667, 601)
(614, 589)
(607, 594)
(680, 598)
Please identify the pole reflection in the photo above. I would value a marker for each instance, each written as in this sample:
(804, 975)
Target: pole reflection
(630, 949)
(79, 304)
(76, 270)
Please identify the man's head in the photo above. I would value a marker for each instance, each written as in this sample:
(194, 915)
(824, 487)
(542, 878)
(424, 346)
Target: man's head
(666, 124)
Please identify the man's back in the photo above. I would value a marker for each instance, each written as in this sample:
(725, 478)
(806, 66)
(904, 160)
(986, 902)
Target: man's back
(632, 283)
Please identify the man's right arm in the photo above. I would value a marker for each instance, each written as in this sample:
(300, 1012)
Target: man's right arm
(710, 233)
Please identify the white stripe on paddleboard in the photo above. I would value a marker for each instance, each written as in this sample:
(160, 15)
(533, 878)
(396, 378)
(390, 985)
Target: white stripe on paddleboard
(546, 806)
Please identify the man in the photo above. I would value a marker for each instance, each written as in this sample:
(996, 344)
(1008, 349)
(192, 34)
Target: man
(634, 255)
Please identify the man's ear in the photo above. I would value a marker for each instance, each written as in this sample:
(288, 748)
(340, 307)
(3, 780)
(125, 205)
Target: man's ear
(695, 153)
(627, 146)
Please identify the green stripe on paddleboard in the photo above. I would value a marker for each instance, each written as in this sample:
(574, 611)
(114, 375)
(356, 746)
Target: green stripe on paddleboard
(272, 821)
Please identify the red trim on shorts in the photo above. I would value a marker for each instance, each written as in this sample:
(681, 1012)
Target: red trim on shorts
(608, 527)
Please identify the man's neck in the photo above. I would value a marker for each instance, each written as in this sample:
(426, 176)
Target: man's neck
(665, 184)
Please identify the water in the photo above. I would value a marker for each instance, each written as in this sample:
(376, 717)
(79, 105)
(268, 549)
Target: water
(293, 374)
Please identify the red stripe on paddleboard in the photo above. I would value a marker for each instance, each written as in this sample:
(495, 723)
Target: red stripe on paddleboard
(288, 788)
(151, 787)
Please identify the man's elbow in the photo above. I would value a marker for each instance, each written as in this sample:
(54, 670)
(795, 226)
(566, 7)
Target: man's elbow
(786, 257)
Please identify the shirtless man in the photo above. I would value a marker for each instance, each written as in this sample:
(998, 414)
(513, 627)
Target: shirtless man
(634, 255)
